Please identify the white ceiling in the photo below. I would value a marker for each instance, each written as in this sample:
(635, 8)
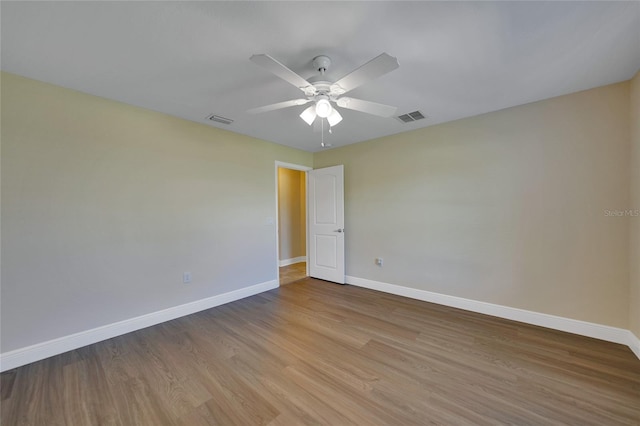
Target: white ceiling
(191, 59)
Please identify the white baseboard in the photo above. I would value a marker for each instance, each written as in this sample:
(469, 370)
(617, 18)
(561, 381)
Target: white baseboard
(634, 344)
(29, 354)
(583, 328)
(22, 356)
(287, 262)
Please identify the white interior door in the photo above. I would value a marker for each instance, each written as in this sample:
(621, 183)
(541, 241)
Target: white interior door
(326, 224)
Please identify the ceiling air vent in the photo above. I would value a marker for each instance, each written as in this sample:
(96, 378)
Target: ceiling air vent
(411, 117)
(219, 119)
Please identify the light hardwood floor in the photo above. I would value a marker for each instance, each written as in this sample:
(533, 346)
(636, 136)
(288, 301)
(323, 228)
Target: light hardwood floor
(313, 352)
(293, 273)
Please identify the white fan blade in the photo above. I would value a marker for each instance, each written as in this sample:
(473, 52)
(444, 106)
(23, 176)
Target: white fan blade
(309, 114)
(279, 105)
(375, 68)
(374, 108)
(270, 64)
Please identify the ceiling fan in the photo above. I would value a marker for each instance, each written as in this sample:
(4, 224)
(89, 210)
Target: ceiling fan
(323, 93)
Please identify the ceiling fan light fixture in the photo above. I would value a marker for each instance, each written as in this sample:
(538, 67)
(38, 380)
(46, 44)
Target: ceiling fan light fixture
(309, 115)
(323, 108)
(322, 92)
(334, 118)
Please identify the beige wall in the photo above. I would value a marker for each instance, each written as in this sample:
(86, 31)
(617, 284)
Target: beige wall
(506, 207)
(105, 205)
(634, 254)
(292, 213)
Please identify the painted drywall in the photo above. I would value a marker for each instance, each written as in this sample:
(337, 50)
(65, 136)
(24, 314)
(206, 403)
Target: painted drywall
(291, 213)
(105, 205)
(506, 207)
(634, 252)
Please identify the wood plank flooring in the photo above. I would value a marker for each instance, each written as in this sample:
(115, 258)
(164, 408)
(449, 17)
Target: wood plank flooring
(313, 352)
(292, 273)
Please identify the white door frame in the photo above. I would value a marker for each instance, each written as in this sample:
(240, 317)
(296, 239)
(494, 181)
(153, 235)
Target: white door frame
(305, 169)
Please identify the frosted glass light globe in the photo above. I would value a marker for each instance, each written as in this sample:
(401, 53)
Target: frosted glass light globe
(323, 108)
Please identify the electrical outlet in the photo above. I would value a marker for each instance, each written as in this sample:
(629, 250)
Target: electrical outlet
(186, 277)
(379, 261)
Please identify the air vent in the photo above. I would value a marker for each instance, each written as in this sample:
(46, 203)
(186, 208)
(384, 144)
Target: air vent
(219, 119)
(411, 117)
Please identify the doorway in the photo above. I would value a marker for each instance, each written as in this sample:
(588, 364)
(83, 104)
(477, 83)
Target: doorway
(291, 203)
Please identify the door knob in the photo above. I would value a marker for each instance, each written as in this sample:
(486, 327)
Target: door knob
(339, 230)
